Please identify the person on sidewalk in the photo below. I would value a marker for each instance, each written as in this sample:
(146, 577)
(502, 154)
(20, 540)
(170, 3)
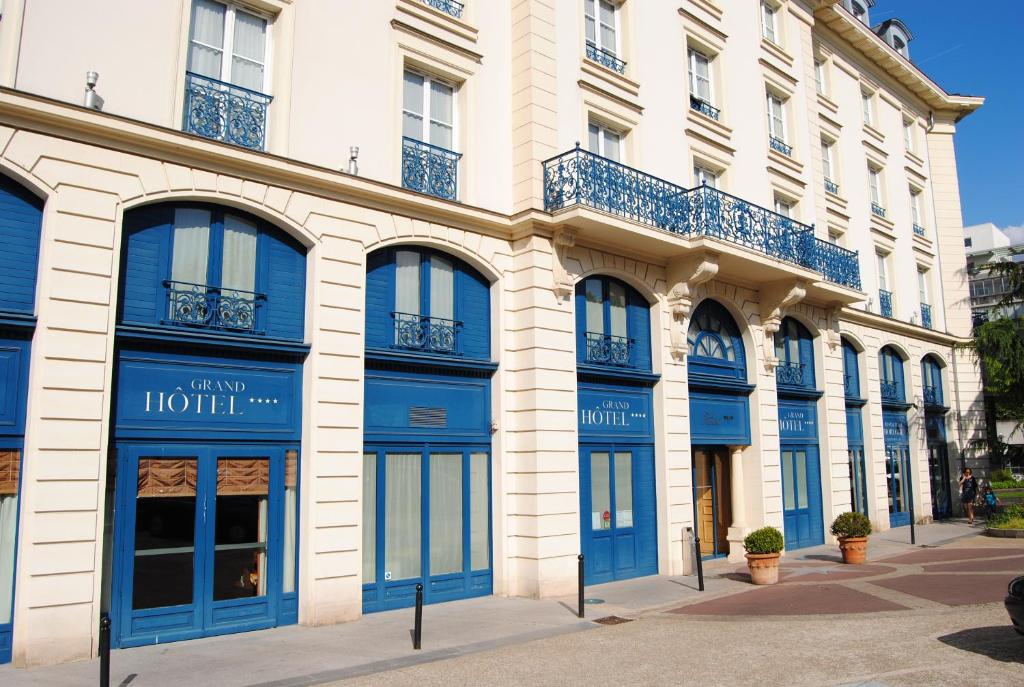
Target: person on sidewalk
(968, 492)
(991, 501)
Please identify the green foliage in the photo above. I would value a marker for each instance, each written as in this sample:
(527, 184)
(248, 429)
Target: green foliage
(1007, 484)
(851, 525)
(764, 540)
(1001, 475)
(1009, 518)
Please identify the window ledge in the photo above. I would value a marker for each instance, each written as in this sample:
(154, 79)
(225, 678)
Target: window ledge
(882, 224)
(439, 19)
(194, 337)
(786, 162)
(777, 51)
(923, 243)
(827, 103)
(913, 157)
(836, 200)
(874, 133)
(709, 6)
(708, 126)
(599, 71)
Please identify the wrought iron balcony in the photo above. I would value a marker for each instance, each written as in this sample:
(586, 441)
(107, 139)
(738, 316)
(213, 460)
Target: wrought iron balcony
(430, 169)
(211, 307)
(926, 316)
(850, 387)
(447, 6)
(932, 396)
(579, 177)
(225, 112)
(605, 58)
(605, 349)
(704, 107)
(780, 146)
(430, 334)
(890, 391)
(789, 373)
(831, 187)
(885, 303)
(877, 210)
(918, 230)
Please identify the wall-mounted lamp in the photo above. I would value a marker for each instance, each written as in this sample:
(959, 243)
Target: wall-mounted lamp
(353, 164)
(92, 99)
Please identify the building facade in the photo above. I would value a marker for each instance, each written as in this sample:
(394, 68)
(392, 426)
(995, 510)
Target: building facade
(599, 273)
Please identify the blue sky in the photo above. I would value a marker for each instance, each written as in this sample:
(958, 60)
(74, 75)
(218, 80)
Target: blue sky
(975, 48)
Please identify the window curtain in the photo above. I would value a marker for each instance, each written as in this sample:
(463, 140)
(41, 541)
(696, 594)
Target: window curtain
(164, 477)
(701, 84)
(291, 518)
(243, 477)
(479, 512)
(191, 246)
(600, 491)
(591, 21)
(402, 516)
(441, 114)
(617, 309)
(8, 531)
(407, 282)
(608, 26)
(442, 288)
(624, 489)
(250, 41)
(445, 513)
(207, 47)
(595, 306)
(412, 106)
(10, 465)
(238, 271)
(369, 518)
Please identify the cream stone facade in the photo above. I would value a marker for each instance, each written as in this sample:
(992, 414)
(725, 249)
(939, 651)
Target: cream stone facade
(523, 92)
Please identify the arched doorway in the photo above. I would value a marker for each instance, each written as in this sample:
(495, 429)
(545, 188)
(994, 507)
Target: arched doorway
(935, 410)
(855, 402)
(896, 430)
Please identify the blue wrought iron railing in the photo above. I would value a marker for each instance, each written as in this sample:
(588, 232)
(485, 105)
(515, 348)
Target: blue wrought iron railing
(432, 334)
(885, 303)
(831, 186)
(890, 391)
(918, 230)
(789, 373)
(878, 210)
(926, 316)
(932, 396)
(580, 177)
(850, 387)
(605, 58)
(212, 307)
(430, 169)
(447, 6)
(704, 107)
(605, 349)
(225, 112)
(780, 146)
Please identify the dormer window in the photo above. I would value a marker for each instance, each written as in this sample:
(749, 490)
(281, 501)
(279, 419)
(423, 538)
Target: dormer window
(896, 34)
(859, 9)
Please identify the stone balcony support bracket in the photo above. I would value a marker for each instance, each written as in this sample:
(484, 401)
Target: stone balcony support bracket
(685, 275)
(776, 299)
(564, 283)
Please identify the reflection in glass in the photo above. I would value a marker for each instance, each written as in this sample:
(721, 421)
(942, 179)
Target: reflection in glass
(402, 516)
(445, 513)
(624, 489)
(600, 492)
(479, 512)
(240, 530)
(291, 518)
(10, 464)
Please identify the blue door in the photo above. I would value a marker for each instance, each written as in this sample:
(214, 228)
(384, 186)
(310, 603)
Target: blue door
(897, 476)
(801, 497)
(205, 541)
(426, 520)
(617, 505)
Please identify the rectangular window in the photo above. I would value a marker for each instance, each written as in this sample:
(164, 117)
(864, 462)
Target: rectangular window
(402, 516)
(623, 489)
(445, 513)
(601, 18)
(700, 76)
(191, 246)
(783, 207)
(442, 288)
(604, 142)
(428, 110)
(702, 175)
(826, 159)
(600, 491)
(915, 206)
(595, 306)
(922, 285)
(776, 117)
(833, 238)
(908, 136)
(220, 30)
(768, 22)
(874, 186)
(479, 512)
(617, 309)
(819, 77)
(868, 110)
(238, 271)
(369, 518)
(10, 467)
(407, 282)
(883, 273)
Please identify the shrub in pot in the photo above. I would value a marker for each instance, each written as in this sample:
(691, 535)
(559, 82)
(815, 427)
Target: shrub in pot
(763, 548)
(852, 530)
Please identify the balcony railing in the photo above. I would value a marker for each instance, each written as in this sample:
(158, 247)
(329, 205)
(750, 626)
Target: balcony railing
(926, 316)
(877, 210)
(605, 58)
(918, 230)
(932, 396)
(447, 6)
(430, 169)
(850, 387)
(885, 303)
(225, 112)
(431, 334)
(789, 373)
(890, 391)
(211, 307)
(605, 349)
(579, 177)
(704, 107)
(831, 187)
(780, 146)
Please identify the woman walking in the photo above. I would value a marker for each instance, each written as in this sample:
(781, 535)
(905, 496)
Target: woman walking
(968, 492)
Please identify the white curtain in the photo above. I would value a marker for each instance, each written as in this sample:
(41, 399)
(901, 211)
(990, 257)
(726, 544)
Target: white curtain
(369, 518)
(617, 298)
(600, 491)
(207, 47)
(624, 489)
(442, 288)
(441, 114)
(479, 512)
(261, 569)
(191, 245)
(250, 42)
(291, 515)
(407, 282)
(402, 517)
(412, 106)
(445, 513)
(8, 530)
(239, 269)
(595, 306)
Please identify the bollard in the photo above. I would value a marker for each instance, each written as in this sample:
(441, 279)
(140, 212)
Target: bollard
(913, 537)
(417, 630)
(104, 650)
(699, 560)
(579, 573)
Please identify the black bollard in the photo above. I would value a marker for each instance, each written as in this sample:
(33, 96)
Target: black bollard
(579, 573)
(104, 650)
(417, 630)
(699, 560)
(913, 537)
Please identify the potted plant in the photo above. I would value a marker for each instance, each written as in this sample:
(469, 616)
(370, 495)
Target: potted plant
(763, 548)
(852, 530)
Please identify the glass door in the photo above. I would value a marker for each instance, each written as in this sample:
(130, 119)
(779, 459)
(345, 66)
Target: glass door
(858, 479)
(712, 501)
(938, 475)
(10, 470)
(897, 474)
(802, 517)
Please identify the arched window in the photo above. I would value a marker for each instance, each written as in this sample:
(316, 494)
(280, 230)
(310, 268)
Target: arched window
(851, 370)
(21, 216)
(613, 324)
(202, 266)
(931, 381)
(794, 348)
(890, 366)
(424, 301)
(716, 347)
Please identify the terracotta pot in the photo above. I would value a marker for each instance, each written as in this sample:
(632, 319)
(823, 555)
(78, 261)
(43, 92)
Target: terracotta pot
(855, 549)
(764, 567)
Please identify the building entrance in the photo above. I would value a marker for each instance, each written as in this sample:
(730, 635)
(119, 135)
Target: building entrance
(712, 511)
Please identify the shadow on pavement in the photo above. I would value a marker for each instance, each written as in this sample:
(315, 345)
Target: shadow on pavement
(824, 557)
(1000, 642)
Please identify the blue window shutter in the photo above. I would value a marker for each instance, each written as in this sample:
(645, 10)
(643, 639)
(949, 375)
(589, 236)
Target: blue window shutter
(146, 264)
(473, 300)
(380, 298)
(639, 327)
(284, 282)
(807, 355)
(21, 217)
(581, 322)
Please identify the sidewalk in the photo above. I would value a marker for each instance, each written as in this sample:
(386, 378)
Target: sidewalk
(296, 655)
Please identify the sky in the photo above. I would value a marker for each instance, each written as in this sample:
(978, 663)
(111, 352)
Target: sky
(976, 48)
